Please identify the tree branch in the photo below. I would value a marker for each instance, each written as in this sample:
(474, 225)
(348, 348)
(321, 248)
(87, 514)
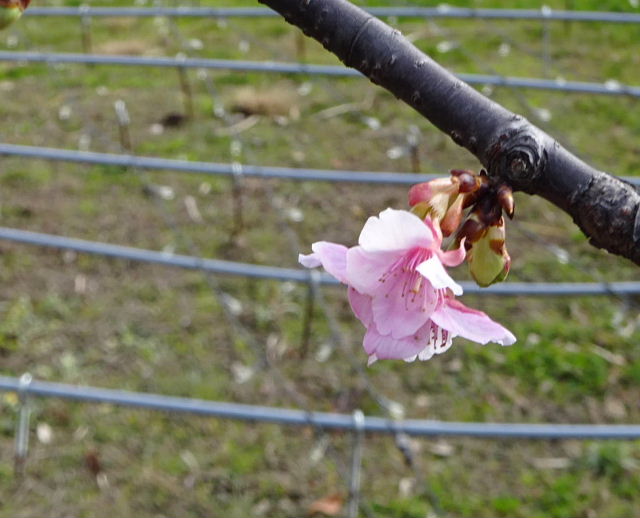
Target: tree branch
(512, 149)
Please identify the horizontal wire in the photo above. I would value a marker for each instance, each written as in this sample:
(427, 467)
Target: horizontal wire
(442, 11)
(224, 169)
(298, 275)
(213, 168)
(608, 88)
(286, 416)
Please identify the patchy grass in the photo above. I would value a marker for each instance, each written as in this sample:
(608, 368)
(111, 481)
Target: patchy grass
(82, 319)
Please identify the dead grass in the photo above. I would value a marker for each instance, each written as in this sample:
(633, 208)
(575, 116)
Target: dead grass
(279, 100)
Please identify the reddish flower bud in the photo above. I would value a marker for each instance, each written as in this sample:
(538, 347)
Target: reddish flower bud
(460, 172)
(488, 210)
(436, 194)
(505, 198)
(453, 217)
(472, 197)
(469, 183)
(472, 229)
(427, 190)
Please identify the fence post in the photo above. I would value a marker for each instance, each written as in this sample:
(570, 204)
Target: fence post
(413, 138)
(124, 122)
(356, 464)
(312, 288)
(236, 187)
(546, 40)
(22, 427)
(185, 87)
(85, 29)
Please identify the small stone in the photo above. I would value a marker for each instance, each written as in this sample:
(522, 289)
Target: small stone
(44, 433)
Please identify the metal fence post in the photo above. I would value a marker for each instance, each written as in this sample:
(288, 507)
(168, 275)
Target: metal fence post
(185, 86)
(307, 322)
(22, 427)
(85, 29)
(546, 40)
(124, 123)
(236, 188)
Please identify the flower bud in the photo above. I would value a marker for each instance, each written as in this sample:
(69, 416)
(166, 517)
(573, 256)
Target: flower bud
(505, 199)
(483, 188)
(472, 229)
(436, 194)
(488, 210)
(425, 191)
(488, 259)
(421, 209)
(469, 182)
(11, 10)
(453, 217)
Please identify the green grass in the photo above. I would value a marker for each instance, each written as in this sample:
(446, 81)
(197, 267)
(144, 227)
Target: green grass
(96, 321)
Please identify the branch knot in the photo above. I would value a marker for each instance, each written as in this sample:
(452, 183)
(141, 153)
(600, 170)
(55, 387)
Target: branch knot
(518, 156)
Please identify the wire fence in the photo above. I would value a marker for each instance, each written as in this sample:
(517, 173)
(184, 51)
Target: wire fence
(560, 84)
(232, 169)
(356, 423)
(275, 273)
(442, 11)
(331, 421)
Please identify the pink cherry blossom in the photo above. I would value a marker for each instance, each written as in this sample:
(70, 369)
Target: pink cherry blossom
(400, 290)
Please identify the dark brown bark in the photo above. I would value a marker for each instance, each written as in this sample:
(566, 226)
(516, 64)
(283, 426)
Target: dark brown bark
(606, 208)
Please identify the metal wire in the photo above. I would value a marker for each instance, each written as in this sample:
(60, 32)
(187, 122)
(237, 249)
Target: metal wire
(335, 421)
(608, 88)
(442, 11)
(572, 289)
(214, 168)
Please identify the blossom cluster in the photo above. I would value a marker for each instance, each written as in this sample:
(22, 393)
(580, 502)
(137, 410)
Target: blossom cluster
(398, 286)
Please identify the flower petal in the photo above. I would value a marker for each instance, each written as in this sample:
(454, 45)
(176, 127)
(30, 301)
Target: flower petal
(452, 258)
(395, 230)
(361, 305)
(433, 270)
(400, 312)
(332, 256)
(460, 320)
(309, 260)
(434, 226)
(366, 269)
(387, 347)
(426, 353)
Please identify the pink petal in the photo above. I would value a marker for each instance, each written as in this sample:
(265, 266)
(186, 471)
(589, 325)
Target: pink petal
(469, 323)
(366, 269)
(394, 230)
(434, 226)
(386, 347)
(433, 270)
(399, 312)
(309, 260)
(332, 256)
(361, 305)
(452, 257)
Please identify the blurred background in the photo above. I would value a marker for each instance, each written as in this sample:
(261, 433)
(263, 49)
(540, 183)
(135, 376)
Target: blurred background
(90, 320)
